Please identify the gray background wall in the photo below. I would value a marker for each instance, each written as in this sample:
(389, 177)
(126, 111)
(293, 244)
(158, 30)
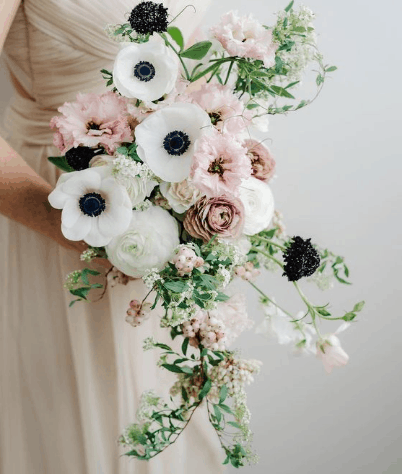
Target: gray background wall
(339, 168)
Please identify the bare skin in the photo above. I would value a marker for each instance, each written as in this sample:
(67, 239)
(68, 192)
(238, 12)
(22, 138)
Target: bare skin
(23, 193)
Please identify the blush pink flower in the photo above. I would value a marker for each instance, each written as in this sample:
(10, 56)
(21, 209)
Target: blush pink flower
(262, 161)
(330, 352)
(226, 111)
(245, 37)
(219, 165)
(93, 120)
(222, 216)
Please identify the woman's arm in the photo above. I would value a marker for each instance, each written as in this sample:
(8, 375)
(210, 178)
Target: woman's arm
(23, 198)
(23, 193)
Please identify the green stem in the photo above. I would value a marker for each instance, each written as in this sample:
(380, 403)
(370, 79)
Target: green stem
(268, 241)
(229, 71)
(178, 55)
(270, 300)
(255, 249)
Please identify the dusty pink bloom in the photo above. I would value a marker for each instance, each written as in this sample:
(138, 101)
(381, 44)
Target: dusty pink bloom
(262, 161)
(329, 350)
(223, 215)
(93, 120)
(245, 37)
(227, 112)
(219, 164)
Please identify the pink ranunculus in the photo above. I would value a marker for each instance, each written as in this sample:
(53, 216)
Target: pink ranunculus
(227, 112)
(329, 350)
(93, 120)
(262, 161)
(219, 164)
(222, 216)
(245, 37)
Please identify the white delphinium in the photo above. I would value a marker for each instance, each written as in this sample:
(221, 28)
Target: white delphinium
(95, 206)
(330, 352)
(166, 139)
(145, 71)
(285, 329)
(258, 202)
(149, 242)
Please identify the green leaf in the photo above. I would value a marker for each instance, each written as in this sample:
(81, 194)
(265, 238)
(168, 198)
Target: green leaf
(73, 302)
(359, 306)
(173, 368)
(331, 69)
(205, 389)
(322, 311)
(223, 394)
(282, 92)
(208, 281)
(289, 6)
(225, 408)
(319, 79)
(187, 370)
(61, 162)
(184, 394)
(234, 424)
(197, 51)
(349, 316)
(222, 297)
(176, 286)
(163, 346)
(81, 292)
(184, 346)
(227, 460)
(176, 35)
(218, 413)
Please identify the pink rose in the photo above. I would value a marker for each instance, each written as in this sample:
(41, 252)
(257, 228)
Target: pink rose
(262, 161)
(223, 215)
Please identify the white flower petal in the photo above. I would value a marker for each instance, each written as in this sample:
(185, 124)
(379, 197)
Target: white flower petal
(71, 213)
(259, 206)
(95, 238)
(115, 221)
(88, 179)
(79, 231)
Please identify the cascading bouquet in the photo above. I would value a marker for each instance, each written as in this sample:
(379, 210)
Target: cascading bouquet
(164, 179)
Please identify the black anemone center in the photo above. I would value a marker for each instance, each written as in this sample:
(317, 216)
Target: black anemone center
(144, 71)
(176, 143)
(92, 204)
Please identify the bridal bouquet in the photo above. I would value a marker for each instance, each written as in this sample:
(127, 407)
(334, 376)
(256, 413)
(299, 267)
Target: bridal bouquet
(164, 177)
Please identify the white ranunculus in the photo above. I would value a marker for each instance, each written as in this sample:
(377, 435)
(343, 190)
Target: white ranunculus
(181, 196)
(149, 242)
(145, 71)
(95, 207)
(166, 139)
(258, 202)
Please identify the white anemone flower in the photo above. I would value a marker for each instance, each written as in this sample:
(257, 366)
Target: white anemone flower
(145, 71)
(258, 202)
(149, 242)
(167, 137)
(95, 207)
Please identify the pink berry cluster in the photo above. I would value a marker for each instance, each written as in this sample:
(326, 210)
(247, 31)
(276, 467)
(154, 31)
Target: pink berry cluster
(247, 272)
(205, 329)
(137, 313)
(186, 260)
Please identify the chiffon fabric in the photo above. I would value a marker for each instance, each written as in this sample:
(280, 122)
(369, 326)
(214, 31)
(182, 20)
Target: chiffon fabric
(71, 378)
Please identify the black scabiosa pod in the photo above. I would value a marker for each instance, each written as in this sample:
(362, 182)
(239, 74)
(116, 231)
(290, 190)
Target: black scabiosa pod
(148, 18)
(78, 158)
(301, 258)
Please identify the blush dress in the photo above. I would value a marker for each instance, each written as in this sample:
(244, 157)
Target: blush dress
(71, 378)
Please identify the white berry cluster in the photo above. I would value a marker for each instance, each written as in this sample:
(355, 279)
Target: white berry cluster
(247, 271)
(235, 374)
(203, 328)
(185, 260)
(137, 313)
